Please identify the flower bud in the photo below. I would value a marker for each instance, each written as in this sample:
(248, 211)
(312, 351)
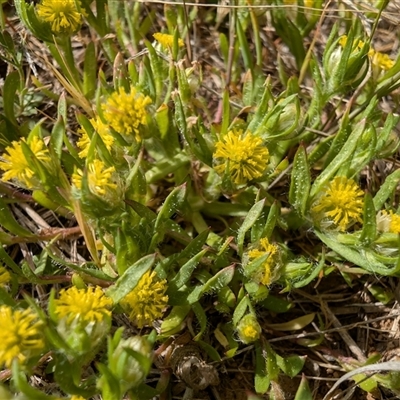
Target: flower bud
(129, 371)
(345, 63)
(249, 329)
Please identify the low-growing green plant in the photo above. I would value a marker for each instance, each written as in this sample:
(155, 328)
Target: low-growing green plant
(188, 215)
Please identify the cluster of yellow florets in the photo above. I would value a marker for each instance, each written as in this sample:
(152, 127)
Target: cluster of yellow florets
(126, 112)
(63, 15)
(341, 202)
(243, 156)
(147, 301)
(16, 165)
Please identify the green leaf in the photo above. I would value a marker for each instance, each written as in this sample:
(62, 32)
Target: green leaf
(7, 221)
(128, 281)
(11, 85)
(364, 258)
(227, 297)
(386, 189)
(300, 183)
(290, 34)
(226, 111)
(210, 350)
(6, 299)
(142, 210)
(58, 131)
(251, 218)
(89, 71)
(186, 271)
(172, 204)
(67, 373)
(368, 233)
(183, 84)
(261, 380)
(241, 310)
(272, 219)
(144, 392)
(21, 384)
(380, 294)
(9, 262)
(272, 365)
(303, 391)
(109, 385)
(294, 324)
(244, 46)
(276, 304)
(174, 321)
(291, 365)
(218, 281)
(201, 318)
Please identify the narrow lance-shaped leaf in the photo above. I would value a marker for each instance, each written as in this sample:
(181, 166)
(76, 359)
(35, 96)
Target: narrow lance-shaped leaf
(201, 317)
(248, 222)
(186, 271)
(261, 380)
(300, 183)
(368, 233)
(386, 189)
(241, 310)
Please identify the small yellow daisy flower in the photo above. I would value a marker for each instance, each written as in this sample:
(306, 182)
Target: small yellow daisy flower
(244, 156)
(89, 305)
(102, 129)
(5, 276)
(62, 15)
(167, 40)
(266, 248)
(342, 202)
(15, 164)
(147, 300)
(99, 178)
(126, 112)
(20, 335)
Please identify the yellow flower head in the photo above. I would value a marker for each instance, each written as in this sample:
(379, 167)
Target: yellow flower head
(76, 397)
(147, 300)
(243, 155)
(167, 40)
(126, 112)
(99, 178)
(266, 248)
(63, 15)
(89, 305)
(20, 335)
(382, 61)
(249, 329)
(15, 164)
(342, 202)
(5, 276)
(388, 221)
(102, 129)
